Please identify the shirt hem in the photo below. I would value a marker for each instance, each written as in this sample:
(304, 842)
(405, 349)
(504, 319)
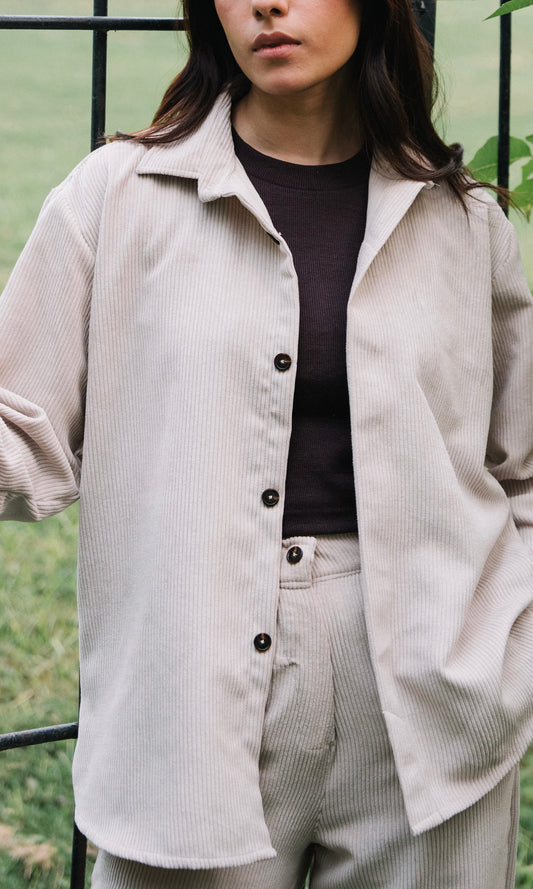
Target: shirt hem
(172, 862)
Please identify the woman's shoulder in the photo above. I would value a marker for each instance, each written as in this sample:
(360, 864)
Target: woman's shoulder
(83, 192)
(103, 166)
(501, 231)
(478, 206)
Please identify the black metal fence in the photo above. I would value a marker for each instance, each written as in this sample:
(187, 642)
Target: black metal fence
(100, 23)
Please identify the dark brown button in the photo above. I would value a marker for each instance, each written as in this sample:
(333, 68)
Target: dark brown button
(295, 555)
(270, 497)
(282, 362)
(262, 642)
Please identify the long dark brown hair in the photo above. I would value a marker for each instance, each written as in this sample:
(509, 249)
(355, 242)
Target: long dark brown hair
(395, 90)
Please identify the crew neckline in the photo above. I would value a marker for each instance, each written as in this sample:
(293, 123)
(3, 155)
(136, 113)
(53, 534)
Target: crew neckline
(344, 174)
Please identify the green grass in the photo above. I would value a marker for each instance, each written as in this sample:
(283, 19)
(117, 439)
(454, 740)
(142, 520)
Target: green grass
(38, 686)
(524, 877)
(44, 131)
(45, 96)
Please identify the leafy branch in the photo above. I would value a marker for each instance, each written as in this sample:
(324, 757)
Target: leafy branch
(484, 164)
(510, 6)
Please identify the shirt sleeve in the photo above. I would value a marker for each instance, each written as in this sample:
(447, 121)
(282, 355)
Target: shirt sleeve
(44, 318)
(510, 445)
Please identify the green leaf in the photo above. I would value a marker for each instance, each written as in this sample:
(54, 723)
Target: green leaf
(523, 196)
(525, 191)
(510, 6)
(527, 170)
(484, 164)
(518, 148)
(530, 138)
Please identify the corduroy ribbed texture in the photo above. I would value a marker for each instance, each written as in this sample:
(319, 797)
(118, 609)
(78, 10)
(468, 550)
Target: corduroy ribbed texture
(327, 773)
(137, 343)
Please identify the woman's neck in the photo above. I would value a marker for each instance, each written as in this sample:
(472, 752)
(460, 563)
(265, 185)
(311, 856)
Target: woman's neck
(312, 127)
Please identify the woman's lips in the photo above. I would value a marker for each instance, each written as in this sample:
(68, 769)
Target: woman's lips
(274, 46)
(281, 51)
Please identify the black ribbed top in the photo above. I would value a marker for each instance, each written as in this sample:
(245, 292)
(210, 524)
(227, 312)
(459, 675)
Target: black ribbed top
(320, 211)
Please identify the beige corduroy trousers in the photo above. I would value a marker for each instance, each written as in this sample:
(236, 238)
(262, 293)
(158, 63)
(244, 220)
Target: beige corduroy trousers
(331, 795)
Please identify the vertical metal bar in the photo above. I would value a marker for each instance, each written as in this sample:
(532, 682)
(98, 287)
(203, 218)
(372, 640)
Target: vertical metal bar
(504, 114)
(99, 79)
(427, 14)
(98, 114)
(79, 860)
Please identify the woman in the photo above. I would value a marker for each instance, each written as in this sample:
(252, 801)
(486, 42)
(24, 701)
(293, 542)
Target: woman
(284, 670)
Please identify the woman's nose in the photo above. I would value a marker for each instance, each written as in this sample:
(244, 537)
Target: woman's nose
(263, 9)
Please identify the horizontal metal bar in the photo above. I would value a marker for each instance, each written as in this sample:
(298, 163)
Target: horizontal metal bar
(39, 736)
(90, 23)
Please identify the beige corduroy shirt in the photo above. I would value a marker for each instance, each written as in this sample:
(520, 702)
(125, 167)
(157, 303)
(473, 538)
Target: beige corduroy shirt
(138, 335)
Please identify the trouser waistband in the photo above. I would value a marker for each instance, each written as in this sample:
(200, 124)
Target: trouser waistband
(305, 559)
